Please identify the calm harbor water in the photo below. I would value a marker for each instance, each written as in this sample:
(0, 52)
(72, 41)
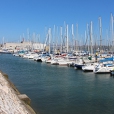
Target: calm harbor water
(60, 90)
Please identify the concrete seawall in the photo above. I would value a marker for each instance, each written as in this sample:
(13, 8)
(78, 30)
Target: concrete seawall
(11, 101)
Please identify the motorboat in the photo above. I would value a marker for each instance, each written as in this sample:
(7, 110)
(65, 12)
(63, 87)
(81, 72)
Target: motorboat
(103, 68)
(89, 67)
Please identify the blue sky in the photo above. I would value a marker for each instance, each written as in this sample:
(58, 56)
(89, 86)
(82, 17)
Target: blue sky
(16, 16)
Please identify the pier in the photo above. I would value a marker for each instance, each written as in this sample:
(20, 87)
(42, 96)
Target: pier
(11, 101)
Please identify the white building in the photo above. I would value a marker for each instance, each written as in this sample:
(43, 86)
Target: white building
(25, 46)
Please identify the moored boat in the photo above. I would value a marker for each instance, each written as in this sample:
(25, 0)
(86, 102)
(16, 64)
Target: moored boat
(89, 67)
(103, 68)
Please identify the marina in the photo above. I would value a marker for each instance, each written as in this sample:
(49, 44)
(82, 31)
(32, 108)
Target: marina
(55, 89)
(56, 57)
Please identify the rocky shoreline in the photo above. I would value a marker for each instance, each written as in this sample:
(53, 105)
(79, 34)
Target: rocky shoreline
(11, 101)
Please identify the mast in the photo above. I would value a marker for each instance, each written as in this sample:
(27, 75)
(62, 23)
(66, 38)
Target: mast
(33, 40)
(65, 36)
(29, 42)
(23, 37)
(87, 37)
(67, 39)
(39, 41)
(100, 27)
(112, 21)
(46, 35)
(72, 36)
(49, 32)
(107, 41)
(76, 37)
(28, 34)
(91, 37)
(85, 40)
(61, 38)
(54, 45)
(57, 38)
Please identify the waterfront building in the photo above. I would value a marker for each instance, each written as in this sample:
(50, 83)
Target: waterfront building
(23, 46)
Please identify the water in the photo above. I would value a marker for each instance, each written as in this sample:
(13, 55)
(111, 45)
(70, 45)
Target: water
(60, 90)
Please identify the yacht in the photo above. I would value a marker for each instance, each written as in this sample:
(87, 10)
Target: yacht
(103, 68)
(89, 67)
